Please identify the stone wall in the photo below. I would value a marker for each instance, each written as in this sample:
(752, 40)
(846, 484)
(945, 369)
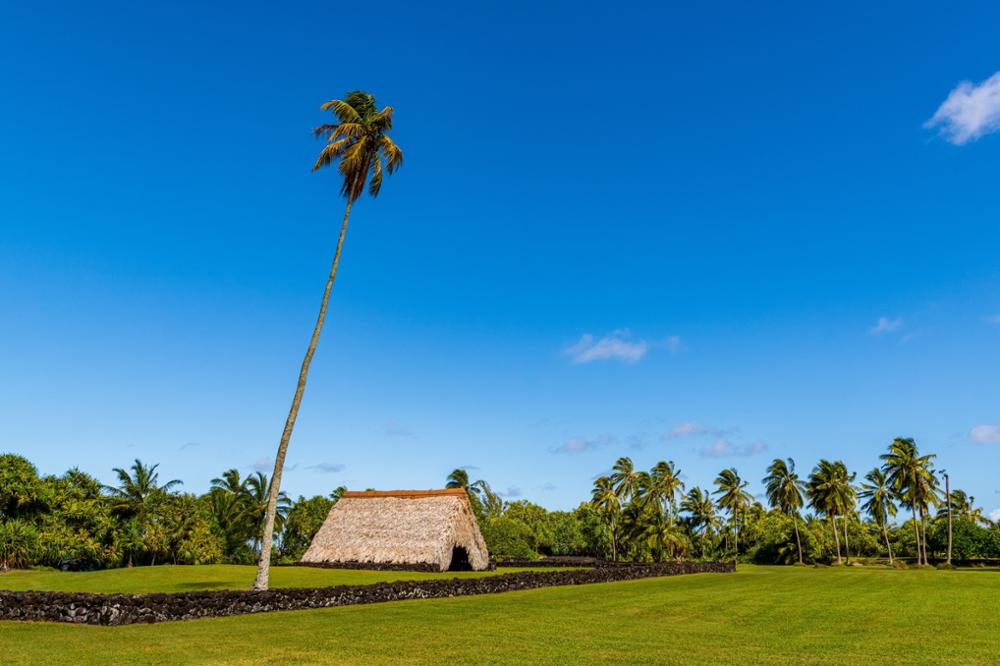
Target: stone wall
(119, 609)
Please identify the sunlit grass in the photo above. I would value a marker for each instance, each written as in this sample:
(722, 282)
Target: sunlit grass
(786, 615)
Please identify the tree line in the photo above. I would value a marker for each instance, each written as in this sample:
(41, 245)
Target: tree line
(72, 521)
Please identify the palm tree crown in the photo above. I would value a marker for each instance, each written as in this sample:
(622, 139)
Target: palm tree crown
(360, 141)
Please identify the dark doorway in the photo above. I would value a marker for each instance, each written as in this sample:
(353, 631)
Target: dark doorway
(459, 560)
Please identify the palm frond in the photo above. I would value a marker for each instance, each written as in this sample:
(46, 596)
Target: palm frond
(329, 153)
(344, 111)
(393, 154)
(375, 184)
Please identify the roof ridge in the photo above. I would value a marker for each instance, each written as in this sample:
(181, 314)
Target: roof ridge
(405, 494)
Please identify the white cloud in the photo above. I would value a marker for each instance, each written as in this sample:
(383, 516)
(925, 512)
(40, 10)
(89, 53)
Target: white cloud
(581, 445)
(985, 434)
(615, 346)
(886, 325)
(993, 319)
(969, 112)
(263, 465)
(327, 468)
(693, 429)
(394, 429)
(723, 448)
(512, 492)
(995, 515)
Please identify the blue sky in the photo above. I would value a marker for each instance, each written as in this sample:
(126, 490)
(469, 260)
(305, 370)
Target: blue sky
(711, 234)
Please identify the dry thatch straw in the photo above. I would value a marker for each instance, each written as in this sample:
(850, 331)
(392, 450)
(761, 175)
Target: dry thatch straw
(419, 527)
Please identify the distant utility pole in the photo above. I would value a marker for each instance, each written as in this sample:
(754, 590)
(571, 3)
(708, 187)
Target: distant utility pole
(947, 492)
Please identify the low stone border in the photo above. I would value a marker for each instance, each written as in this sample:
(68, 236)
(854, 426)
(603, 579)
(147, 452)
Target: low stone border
(120, 609)
(554, 561)
(368, 566)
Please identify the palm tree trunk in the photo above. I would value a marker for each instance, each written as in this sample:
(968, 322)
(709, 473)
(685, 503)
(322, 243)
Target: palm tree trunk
(836, 537)
(916, 530)
(923, 529)
(885, 533)
(847, 542)
(264, 567)
(798, 541)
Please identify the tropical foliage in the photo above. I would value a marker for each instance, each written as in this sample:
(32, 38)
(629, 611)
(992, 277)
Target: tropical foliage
(896, 513)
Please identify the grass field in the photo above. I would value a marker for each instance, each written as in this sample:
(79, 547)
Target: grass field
(171, 578)
(780, 615)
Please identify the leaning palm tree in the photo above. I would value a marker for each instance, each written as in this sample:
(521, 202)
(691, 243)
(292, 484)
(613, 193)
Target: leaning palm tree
(734, 498)
(879, 505)
(359, 140)
(784, 492)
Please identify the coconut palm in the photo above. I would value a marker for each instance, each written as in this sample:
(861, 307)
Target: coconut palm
(906, 471)
(698, 503)
(625, 479)
(663, 485)
(137, 490)
(879, 505)
(821, 489)
(963, 506)
(605, 499)
(484, 500)
(257, 495)
(359, 142)
(845, 496)
(734, 498)
(784, 492)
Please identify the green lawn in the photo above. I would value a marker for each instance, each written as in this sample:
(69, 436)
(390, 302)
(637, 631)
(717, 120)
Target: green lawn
(171, 578)
(780, 615)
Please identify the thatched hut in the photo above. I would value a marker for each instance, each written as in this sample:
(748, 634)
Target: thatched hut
(422, 528)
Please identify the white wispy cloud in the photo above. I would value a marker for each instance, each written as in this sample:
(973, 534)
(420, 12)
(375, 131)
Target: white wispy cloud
(263, 465)
(886, 325)
(985, 434)
(393, 428)
(512, 492)
(575, 445)
(327, 468)
(617, 346)
(969, 112)
(723, 448)
(693, 429)
(995, 515)
(187, 445)
(993, 319)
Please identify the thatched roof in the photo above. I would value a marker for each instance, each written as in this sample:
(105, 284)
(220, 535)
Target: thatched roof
(420, 527)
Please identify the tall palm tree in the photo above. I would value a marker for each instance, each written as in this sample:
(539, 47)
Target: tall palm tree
(821, 490)
(784, 492)
(625, 479)
(359, 140)
(879, 505)
(734, 498)
(844, 494)
(605, 499)
(699, 504)
(906, 471)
